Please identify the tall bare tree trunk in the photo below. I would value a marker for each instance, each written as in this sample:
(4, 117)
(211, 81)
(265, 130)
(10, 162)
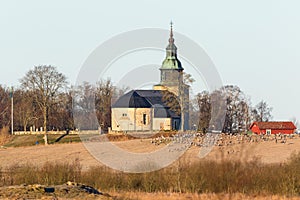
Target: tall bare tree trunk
(25, 126)
(45, 82)
(45, 124)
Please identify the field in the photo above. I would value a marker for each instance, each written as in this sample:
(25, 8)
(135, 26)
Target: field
(234, 159)
(267, 152)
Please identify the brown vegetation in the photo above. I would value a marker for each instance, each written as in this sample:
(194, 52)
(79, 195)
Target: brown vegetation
(205, 196)
(5, 137)
(252, 177)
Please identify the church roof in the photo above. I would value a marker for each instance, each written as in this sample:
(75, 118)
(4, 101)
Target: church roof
(171, 62)
(162, 112)
(146, 99)
(132, 100)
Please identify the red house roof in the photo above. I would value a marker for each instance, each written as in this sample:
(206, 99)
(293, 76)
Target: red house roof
(275, 125)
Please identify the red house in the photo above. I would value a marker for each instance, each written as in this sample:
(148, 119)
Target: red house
(273, 127)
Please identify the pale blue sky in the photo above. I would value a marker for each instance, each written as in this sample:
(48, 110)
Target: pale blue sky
(254, 44)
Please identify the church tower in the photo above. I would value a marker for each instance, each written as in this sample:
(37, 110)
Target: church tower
(171, 79)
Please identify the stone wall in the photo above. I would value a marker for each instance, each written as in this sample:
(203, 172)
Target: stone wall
(56, 132)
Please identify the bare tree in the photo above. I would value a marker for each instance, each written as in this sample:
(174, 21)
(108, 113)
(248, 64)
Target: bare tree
(118, 92)
(225, 109)
(262, 112)
(204, 104)
(45, 82)
(243, 115)
(184, 99)
(25, 111)
(171, 101)
(103, 97)
(237, 109)
(4, 107)
(84, 107)
(60, 114)
(193, 113)
(188, 79)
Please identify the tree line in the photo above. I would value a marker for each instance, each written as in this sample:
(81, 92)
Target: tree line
(239, 113)
(44, 99)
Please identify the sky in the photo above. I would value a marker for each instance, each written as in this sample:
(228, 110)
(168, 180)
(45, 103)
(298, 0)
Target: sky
(253, 44)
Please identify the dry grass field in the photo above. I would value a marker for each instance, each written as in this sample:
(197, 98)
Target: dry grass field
(266, 152)
(206, 196)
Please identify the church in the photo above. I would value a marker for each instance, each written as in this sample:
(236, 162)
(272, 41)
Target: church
(165, 107)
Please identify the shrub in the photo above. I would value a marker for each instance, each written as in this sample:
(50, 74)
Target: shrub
(4, 135)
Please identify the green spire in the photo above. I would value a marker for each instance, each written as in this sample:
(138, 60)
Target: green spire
(171, 61)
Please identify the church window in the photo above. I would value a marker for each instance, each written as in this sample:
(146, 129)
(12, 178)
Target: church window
(144, 119)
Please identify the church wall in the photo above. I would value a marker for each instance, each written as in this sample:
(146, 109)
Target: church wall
(119, 121)
(131, 119)
(162, 124)
(143, 122)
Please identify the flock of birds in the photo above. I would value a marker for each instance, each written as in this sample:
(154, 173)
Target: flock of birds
(222, 139)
